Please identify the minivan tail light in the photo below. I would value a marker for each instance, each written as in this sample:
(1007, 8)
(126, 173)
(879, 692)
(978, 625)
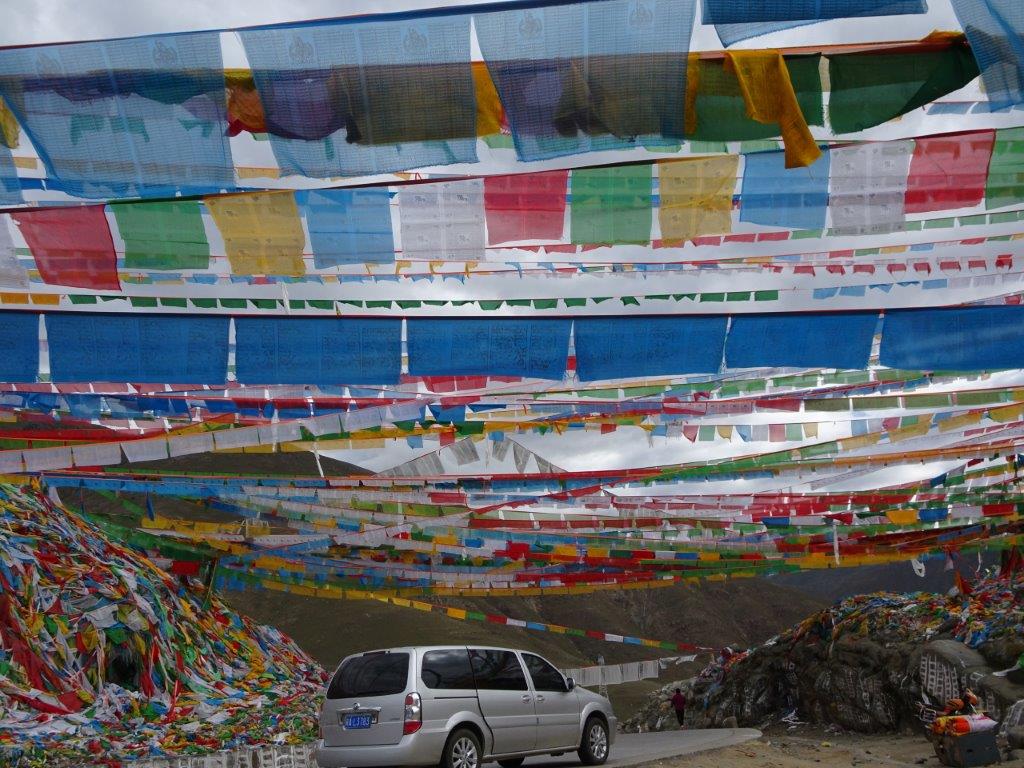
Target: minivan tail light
(413, 714)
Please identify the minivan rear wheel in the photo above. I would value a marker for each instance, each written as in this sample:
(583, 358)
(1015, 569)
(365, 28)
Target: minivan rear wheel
(512, 762)
(462, 750)
(594, 747)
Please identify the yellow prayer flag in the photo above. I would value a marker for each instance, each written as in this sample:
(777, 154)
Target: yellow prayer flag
(488, 105)
(769, 97)
(9, 129)
(262, 232)
(696, 196)
(902, 516)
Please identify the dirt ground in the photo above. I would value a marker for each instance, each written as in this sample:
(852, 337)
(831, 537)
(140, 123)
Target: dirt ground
(811, 748)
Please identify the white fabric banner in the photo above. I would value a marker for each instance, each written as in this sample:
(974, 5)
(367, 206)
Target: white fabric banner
(867, 186)
(10, 461)
(47, 458)
(443, 221)
(239, 437)
(188, 444)
(97, 454)
(145, 450)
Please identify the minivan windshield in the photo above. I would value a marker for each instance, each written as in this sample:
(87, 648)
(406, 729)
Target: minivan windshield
(372, 674)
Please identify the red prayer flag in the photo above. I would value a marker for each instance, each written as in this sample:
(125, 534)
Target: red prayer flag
(948, 172)
(528, 206)
(72, 246)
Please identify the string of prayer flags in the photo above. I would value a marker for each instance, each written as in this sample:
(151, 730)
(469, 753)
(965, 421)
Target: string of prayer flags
(349, 226)
(137, 348)
(948, 171)
(776, 196)
(867, 187)
(134, 117)
(963, 339)
(262, 232)
(529, 206)
(71, 246)
(611, 204)
(162, 235)
(995, 30)
(443, 220)
(586, 76)
(529, 348)
(19, 346)
(769, 97)
(867, 89)
(611, 348)
(349, 97)
(801, 340)
(313, 350)
(696, 196)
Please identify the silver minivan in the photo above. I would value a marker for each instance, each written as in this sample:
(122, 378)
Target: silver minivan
(457, 707)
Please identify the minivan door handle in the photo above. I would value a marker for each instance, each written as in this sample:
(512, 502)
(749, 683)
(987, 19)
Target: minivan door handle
(540, 698)
(526, 698)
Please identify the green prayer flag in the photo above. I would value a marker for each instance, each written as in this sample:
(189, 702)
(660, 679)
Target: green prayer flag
(611, 205)
(870, 88)
(165, 235)
(1006, 169)
(722, 112)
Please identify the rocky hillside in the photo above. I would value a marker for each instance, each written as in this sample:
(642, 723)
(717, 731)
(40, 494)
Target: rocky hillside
(867, 663)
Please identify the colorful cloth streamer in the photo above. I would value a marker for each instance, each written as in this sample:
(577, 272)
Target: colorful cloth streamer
(731, 12)
(351, 97)
(262, 232)
(801, 340)
(648, 346)
(770, 98)
(696, 196)
(19, 346)
(529, 206)
(869, 89)
(71, 246)
(588, 76)
(948, 171)
(318, 350)
(968, 339)
(774, 195)
(611, 204)
(349, 226)
(136, 117)
(163, 235)
(155, 348)
(995, 30)
(530, 348)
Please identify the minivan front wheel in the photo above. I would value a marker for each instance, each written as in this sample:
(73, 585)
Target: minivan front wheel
(462, 750)
(594, 747)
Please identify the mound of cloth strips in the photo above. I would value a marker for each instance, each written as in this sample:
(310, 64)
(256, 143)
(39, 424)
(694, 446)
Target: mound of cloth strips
(102, 653)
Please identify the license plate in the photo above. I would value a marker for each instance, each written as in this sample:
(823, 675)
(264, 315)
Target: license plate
(361, 720)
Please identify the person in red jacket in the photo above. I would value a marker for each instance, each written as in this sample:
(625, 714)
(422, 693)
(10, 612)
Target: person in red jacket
(678, 702)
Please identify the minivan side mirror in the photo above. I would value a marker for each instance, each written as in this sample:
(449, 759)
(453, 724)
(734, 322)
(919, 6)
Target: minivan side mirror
(569, 684)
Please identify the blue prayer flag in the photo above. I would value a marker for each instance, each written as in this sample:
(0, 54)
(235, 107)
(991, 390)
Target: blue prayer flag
(771, 194)
(315, 350)
(623, 347)
(801, 340)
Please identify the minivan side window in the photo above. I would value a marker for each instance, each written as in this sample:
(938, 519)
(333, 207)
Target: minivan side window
(372, 674)
(497, 670)
(447, 669)
(545, 677)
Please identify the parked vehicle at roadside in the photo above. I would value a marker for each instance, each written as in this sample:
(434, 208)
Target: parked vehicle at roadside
(457, 707)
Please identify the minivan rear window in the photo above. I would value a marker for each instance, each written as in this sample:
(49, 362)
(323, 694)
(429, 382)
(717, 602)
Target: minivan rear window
(372, 674)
